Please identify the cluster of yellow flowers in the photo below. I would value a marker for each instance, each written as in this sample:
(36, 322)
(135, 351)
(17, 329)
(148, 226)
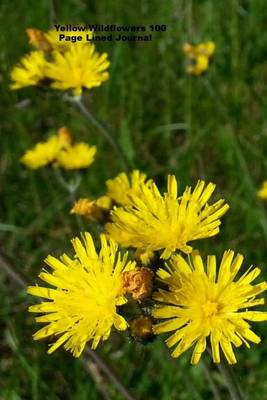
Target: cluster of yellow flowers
(195, 300)
(63, 64)
(59, 151)
(198, 57)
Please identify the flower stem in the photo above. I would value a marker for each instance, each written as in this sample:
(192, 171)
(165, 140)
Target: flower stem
(105, 133)
(212, 384)
(72, 186)
(231, 381)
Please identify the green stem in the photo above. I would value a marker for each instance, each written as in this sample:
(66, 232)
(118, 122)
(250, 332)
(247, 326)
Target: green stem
(72, 186)
(105, 133)
(212, 384)
(230, 381)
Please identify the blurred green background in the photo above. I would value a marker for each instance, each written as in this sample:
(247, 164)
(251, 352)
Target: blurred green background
(212, 127)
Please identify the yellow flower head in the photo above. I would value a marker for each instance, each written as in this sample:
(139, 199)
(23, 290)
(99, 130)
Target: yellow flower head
(79, 67)
(95, 210)
(155, 222)
(30, 71)
(262, 192)
(78, 156)
(42, 154)
(122, 188)
(82, 305)
(46, 152)
(198, 57)
(199, 303)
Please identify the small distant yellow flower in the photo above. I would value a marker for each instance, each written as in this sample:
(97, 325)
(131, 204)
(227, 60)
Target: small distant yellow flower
(78, 156)
(82, 305)
(155, 222)
(121, 188)
(59, 151)
(262, 192)
(198, 57)
(95, 210)
(42, 154)
(79, 67)
(200, 303)
(30, 71)
(46, 152)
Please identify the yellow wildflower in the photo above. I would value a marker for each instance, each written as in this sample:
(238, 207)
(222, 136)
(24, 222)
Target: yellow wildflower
(200, 303)
(78, 156)
(95, 210)
(198, 57)
(262, 192)
(155, 222)
(42, 154)
(46, 152)
(79, 67)
(30, 71)
(121, 188)
(82, 306)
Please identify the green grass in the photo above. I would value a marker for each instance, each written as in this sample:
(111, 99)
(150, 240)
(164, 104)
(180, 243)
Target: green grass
(212, 127)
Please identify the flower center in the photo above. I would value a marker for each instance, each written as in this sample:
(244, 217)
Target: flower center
(210, 308)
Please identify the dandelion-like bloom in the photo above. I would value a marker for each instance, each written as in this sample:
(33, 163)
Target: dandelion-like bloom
(122, 188)
(198, 57)
(77, 68)
(262, 192)
(45, 153)
(78, 156)
(200, 302)
(42, 154)
(82, 306)
(155, 222)
(30, 71)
